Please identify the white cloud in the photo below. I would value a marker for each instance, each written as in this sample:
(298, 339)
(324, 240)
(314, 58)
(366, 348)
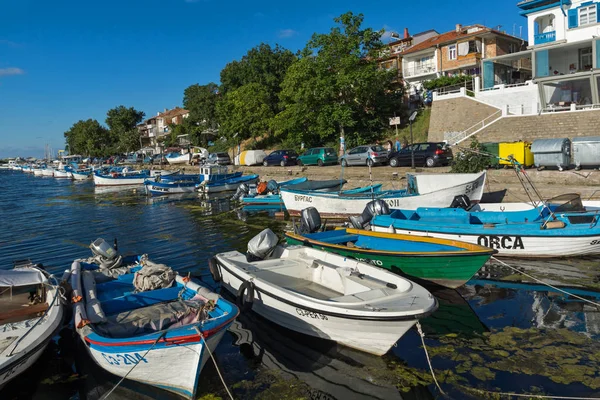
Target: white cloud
(286, 33)
(11, 71)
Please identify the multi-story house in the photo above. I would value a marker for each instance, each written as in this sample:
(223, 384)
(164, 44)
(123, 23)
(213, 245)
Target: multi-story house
(564, 53)
(455, 52)
(154, 129)
(391, 57)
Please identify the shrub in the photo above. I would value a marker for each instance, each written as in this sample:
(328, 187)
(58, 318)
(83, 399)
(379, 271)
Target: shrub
(472, 159)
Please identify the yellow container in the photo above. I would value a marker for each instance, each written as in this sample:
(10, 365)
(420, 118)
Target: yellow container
(521, 151)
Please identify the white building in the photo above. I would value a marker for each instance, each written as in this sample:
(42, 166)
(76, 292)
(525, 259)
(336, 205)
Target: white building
(564, 53)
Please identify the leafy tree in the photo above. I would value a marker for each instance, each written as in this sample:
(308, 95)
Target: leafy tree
(122, 123)
(201, 102)
(88, 138)
(336, 88)
(263, 64)
(472, 159)
(245, 111)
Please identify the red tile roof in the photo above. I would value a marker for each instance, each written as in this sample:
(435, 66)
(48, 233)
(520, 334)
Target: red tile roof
(452, 36)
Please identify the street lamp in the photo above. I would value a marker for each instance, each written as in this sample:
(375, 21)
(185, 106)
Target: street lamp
(412, 147)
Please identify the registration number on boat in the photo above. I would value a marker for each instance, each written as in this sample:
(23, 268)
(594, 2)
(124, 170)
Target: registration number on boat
(374, 262)
(303, 198)
(124, 359)
(310, 314)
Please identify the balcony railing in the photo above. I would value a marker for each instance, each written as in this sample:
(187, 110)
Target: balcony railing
(545, 37)
(419, 70)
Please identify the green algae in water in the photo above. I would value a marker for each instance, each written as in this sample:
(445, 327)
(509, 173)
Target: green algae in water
(270, 385)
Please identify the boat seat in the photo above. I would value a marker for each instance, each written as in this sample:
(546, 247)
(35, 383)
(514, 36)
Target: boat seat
(23, 313)
(367, 295)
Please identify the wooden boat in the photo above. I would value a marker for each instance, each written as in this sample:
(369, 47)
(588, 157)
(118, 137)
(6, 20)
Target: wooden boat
(31, 313)
(63, 174)
(546, 231)
(123, 177)
(225, 185)
(82, 174)
(146, 323)
(323, 294)
(449, 263)
(336, 205)
(48, 171)
(173, 184)
(198, 153)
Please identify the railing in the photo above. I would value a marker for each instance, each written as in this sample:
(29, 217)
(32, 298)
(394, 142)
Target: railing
(457, 137)
(419, 70)
(468, 85)
(545, 37)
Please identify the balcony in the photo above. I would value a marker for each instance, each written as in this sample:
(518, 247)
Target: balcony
(546, 37)
(419, 70)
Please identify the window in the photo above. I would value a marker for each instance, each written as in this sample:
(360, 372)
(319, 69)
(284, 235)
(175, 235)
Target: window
(587, 15)
(452, 52)
(473, 47)
(585, 58)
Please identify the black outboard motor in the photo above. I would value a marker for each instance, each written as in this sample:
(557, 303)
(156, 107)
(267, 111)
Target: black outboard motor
(461, 201)
(241, 191)
(272, 186)
(310, 221)
(373, 208)
(261, 245)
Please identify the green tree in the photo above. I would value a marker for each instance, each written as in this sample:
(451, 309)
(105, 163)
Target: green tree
(122, 123)
(201, 102)
(336, 88)
(245, 111)
(262, 64)
(88, 138)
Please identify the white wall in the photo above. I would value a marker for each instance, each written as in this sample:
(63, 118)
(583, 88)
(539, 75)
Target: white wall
(526, 96)
(562, 25)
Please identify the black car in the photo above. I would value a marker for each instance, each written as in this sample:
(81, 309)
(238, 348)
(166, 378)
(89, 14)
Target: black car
(430, 154)
(281, 157)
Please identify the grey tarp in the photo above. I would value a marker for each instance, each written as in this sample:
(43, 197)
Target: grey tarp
(21, 277)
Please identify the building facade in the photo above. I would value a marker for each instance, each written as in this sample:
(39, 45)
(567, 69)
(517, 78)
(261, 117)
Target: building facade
(153, 130)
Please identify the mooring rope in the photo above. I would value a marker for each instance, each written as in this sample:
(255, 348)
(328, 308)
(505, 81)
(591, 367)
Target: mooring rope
(422, 336)
(214, 361)
(545, 283)
(132, 368)
(531, 396)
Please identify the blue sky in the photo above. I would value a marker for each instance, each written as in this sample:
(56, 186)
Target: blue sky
(69, 60)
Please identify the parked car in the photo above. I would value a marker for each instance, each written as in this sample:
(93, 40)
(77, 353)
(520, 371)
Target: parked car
(281, 157)
(429, 154)
(219, 158)
(365, 155)
(318, 156)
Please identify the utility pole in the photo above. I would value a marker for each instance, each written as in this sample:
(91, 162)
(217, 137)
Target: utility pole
(412, 147)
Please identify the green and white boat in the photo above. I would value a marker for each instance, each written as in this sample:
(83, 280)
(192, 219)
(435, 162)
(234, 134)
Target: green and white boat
(449, 263)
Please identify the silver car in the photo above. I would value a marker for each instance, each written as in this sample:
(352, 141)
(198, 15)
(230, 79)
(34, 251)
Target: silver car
(365, 155)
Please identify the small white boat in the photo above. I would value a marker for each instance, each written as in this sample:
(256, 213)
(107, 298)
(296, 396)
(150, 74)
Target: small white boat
(48, 171)
(31, 312)
(38, 172)
(323, 294)
(62, 174)
(417, 194)
(82, 175)
(197, 154)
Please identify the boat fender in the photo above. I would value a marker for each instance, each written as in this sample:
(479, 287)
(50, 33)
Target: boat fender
(215, 270)
(244, 300)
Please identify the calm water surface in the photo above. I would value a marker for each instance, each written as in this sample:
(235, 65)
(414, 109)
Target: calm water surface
(494, 334)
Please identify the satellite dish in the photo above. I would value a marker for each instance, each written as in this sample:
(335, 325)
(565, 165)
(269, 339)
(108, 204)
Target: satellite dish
(412, 116)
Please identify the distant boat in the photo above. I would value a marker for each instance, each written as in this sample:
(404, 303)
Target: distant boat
(225, 185)
(122, 177)
(197, 154)
(31, 313)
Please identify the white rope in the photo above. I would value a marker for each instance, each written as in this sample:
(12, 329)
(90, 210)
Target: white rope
(214, 361)
(545, 283)
(132, 368)
(532, 396)
(422, 335)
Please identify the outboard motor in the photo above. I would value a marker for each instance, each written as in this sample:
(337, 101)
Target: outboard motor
(272, 186)
(310, 221)
(241, 191)
(373, 208)
(261, 245)
(461, 201)
(106, 255)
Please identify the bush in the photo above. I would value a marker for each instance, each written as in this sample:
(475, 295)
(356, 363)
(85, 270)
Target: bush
(444, 81)
(471, 160)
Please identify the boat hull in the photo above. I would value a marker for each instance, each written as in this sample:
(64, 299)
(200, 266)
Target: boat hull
(48, 172)
(172, 368)
(118, 181)
(342, 330)
(160, 188)
(516, 244)
(448, 270)
(216, 186)
(63, 174)
(81, 176)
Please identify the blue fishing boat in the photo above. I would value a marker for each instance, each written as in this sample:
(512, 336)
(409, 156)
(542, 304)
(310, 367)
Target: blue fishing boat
(142, 321)
(228, 184)
(252, 197)
(187, 183)
(559, 228)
